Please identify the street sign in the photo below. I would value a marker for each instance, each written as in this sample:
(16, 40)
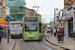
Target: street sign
(50, 23)
(7, 18)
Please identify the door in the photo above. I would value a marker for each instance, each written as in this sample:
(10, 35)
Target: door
(70, 28)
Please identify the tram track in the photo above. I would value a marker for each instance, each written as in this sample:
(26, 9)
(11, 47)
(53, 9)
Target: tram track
(33, 45)
(44, 46)
(28, 46)
(40, 43)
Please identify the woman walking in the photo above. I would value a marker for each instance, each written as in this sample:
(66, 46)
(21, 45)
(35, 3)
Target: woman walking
(60, 35)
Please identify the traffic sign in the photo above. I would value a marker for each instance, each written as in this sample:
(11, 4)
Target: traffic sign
(50, 23)
(7, 18)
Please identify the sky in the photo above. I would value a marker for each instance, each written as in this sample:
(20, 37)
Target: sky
(46, 8)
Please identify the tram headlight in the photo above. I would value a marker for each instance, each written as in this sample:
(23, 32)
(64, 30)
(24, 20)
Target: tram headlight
(36, 35)
(25, 35)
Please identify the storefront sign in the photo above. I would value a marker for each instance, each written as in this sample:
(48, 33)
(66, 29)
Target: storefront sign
(61, 18)
(67, 15)
(62, 21)
(2, 20)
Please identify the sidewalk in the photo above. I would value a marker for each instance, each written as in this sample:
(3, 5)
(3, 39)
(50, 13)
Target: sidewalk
(68, 42)
(5, 46)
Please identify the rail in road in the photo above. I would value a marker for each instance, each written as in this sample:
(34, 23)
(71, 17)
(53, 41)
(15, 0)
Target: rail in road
(30, 48)
(35, 45)
(30, 45)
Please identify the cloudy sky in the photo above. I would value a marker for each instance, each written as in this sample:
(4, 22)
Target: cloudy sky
(46, 8)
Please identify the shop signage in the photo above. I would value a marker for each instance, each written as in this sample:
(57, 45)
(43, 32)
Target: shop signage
(64, 13)
(50, 23)
(2, 20)
(61, 18)
(67, 15)
(62, 21)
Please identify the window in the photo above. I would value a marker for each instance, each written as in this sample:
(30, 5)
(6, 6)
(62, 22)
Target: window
(30, 26)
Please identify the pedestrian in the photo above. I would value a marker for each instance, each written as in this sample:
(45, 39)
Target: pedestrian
(44, 31)
(54, 31)
(57, 30)
(1, 33)
(51, 32)
(60, 35)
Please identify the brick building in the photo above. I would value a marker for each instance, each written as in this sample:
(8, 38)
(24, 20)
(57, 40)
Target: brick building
(29, 12)
(68, 2)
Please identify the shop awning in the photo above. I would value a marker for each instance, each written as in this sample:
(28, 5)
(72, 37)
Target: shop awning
(3, 25)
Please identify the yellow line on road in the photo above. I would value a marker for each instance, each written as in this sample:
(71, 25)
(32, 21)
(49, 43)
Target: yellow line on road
(17, 45)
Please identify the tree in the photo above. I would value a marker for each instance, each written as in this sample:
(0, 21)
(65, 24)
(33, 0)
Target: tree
(38, 15)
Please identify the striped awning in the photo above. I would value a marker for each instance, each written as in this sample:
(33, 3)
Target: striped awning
(3, 25)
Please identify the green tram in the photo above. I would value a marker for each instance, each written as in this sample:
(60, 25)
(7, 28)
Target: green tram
(32, 28)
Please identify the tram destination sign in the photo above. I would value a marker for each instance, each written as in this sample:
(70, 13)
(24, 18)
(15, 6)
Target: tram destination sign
(30, 19)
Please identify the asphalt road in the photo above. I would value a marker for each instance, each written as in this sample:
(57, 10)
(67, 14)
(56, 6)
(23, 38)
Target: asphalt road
(34, 45)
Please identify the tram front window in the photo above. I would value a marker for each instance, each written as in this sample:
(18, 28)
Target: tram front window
(30, 26)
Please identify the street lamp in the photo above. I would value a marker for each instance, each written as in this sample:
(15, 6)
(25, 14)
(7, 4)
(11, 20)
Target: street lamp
(55, 15)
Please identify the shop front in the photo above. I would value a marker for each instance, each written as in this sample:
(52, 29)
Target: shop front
(69, 18)
(3, 25)
(70, 27)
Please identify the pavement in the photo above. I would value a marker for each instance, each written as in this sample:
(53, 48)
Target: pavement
(7, 46)
(69, 43)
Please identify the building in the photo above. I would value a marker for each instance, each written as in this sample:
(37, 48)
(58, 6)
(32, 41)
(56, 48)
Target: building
(4, 8)
(60, 18)
(3, 12)
(29, 12)
(15, 0)
(17, 10)
(0, 2)
(68, 3)
(68, 15)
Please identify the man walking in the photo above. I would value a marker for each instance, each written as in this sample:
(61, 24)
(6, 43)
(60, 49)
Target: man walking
(1, 33)
(54, 31)
(48, 31)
